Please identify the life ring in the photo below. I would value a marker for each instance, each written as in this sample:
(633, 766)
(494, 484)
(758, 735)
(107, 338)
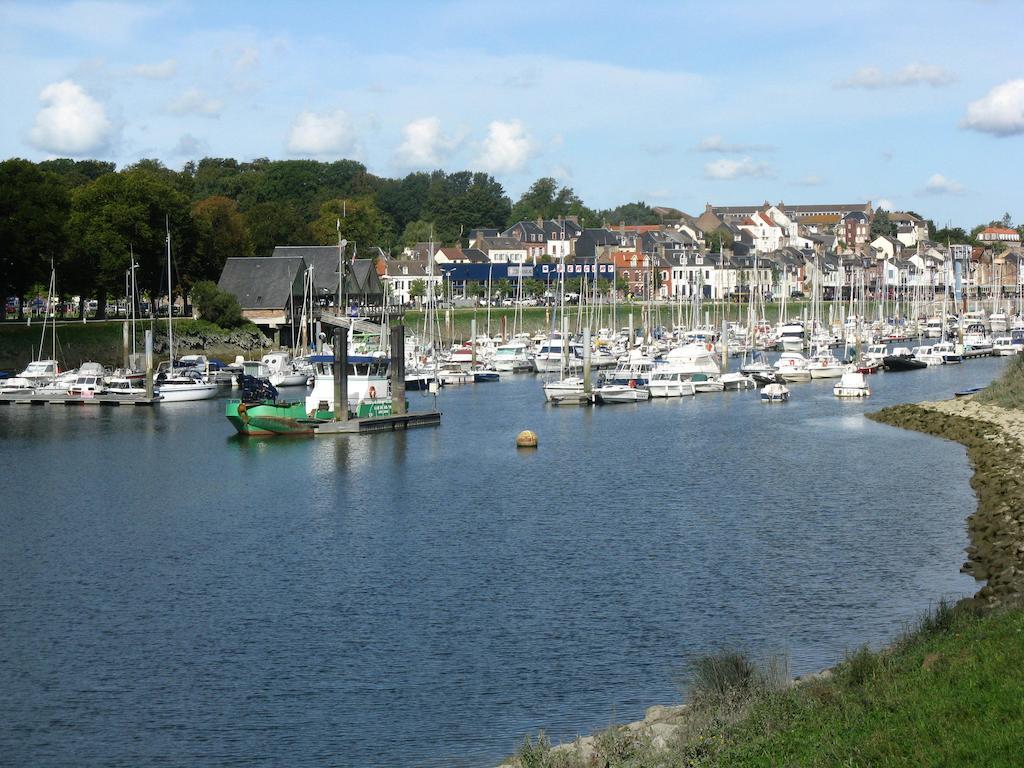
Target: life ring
(373, 393)
(632, 383)
(710, 346)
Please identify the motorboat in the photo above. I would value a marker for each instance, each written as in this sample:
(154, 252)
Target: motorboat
(774, 393)
(184, 385)
(36, 374)
(513, 357)
(668, 383)
(735, 381)
(368, 382)
(485, 375)
(791, 336)
(926, 355)
(852, 384)
(549, 358)
(902, 359)
(704, 383)
(89, 382)
(997, 322)
(948, 351)
(976, 340)
(634, 371)
(758, 365)
(568, 391)
(876, 352)
(792, 366)
(824, 365)
(453, 373)
(620, 393)
(282, 372)
(1005, 346)
(933, 328)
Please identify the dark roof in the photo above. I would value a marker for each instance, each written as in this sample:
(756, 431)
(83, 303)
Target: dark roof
(475, 256)
(362, 276)
(263, 283)
(405, 267)
(502, 243)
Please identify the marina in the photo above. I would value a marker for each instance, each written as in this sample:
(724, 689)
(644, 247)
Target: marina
(499, 608)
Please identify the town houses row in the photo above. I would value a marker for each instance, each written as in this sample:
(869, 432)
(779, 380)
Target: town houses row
(725, 252)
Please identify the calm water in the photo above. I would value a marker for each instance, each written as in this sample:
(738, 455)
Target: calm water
(172, 594)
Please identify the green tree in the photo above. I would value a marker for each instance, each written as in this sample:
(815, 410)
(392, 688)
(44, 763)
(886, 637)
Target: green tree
(34, 206)
(881, 224)
(418, 231)
(417, 290)
(718, 240)
(77, 173)
(545, 200)
(274, 224)
(123, 212)
(216, 306)
(358, 220)
(221, 232)
(402, 200)
(631, 214)
(952, 235)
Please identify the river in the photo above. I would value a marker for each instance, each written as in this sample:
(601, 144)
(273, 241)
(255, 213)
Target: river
(174, 594)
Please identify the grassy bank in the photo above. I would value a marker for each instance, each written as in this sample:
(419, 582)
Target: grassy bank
(101, 341)
(949, 692)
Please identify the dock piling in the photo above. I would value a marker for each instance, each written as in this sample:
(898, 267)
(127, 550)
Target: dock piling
(340, 374)
(398, 370)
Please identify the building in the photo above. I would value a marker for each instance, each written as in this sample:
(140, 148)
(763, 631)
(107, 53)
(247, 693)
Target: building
(399, 276)
(999, 235)
(269, 290)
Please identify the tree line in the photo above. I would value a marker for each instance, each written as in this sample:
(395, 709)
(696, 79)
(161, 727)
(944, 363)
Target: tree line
(92, 220)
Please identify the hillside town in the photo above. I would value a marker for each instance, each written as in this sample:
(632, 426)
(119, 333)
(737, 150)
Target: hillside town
(725, 253)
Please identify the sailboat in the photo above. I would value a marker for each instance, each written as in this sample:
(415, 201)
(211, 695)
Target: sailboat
(43, 373)
(179, 385)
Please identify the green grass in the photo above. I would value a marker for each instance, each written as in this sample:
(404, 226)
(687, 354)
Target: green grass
(950, 692)
(1008, 390)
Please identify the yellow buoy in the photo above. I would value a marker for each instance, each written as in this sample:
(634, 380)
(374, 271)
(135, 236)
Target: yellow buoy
(526, 439)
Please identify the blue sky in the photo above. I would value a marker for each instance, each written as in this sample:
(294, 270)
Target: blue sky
(918, 105)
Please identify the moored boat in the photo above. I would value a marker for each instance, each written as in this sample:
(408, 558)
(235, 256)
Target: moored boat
(774, 393)
(852, 384)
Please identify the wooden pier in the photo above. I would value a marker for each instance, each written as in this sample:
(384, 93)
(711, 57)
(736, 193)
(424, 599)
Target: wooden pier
(393, 423)
(32, 398)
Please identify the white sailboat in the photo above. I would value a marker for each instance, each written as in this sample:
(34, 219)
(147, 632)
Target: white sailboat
(177, 386)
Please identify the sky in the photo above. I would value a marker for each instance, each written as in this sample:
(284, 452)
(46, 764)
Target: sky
(911, 105)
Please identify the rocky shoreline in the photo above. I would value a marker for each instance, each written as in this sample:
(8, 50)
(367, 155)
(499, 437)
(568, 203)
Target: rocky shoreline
(994, 439)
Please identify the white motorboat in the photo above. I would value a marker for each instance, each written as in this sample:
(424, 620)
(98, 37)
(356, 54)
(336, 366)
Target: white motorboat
(668, 383)
(933, 328)
(282, 372)
(876, 352)
(368, 381)
(774, 393)
(620, 393)
(568, 391)
(758, 367)
(453, 373)
(1005, 346)
(184, 386)
(792, 366)
(925, 354)
(948, 351)
(126, 385)
(548, 358)
(704, 383)
(90, 381)
(513, 357)
(852, 384)
(36, 374)
(997, 322)
(791, 335)
(734, 381)
(824, 365)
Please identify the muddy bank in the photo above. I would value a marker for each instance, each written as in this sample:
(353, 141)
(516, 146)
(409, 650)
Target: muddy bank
(994, 438)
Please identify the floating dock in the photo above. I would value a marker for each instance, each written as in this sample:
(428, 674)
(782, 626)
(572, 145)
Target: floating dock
(394, 423)
(31, 398)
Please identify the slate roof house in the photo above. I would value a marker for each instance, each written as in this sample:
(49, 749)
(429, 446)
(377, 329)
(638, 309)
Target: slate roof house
(362, 283)
(269, 290)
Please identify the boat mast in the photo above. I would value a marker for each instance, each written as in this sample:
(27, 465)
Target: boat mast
(170, 298)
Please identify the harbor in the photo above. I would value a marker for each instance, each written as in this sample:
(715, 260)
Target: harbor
(442, 558)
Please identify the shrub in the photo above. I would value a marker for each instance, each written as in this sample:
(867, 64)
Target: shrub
(1008, 390)
(217, 306)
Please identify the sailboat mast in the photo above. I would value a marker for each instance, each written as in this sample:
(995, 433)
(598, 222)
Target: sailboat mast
(170, 299)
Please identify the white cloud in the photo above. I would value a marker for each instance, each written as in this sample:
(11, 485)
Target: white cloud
(424, 145)
(158, 71)
(1000, 112)
(939, 185)
(189, 146)
(195, 102)
(884, 204)
(811, 180)
(247, 59)
(872, 78)
(715, 143)
(71, 121)
(327, 133)
(507, 147)
(727, 168)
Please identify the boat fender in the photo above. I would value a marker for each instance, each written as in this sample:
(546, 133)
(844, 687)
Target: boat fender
(243, 413)
(373, 393)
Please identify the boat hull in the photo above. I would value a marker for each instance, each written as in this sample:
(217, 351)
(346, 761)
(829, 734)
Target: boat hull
(269, 418)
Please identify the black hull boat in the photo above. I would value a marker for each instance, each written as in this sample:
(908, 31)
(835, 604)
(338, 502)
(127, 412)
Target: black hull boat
(902, 363)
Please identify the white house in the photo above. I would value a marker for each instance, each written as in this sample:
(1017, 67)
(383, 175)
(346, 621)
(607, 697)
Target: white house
(399, 276)
(768, 235)
(505, 250)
